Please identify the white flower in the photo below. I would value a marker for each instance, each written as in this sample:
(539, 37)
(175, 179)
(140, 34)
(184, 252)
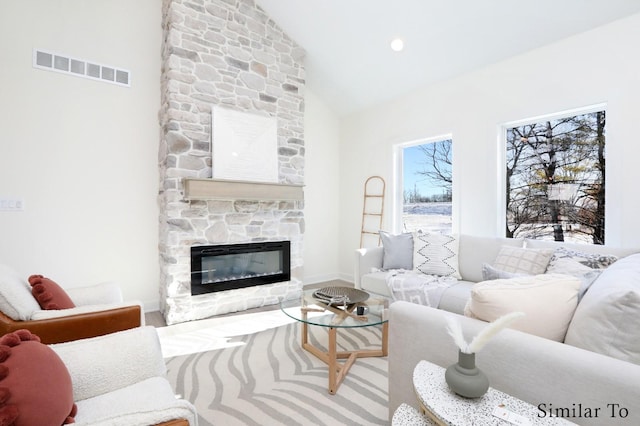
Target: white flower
(478, 342)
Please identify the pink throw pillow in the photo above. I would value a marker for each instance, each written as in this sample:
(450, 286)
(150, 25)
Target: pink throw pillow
(49, 294)
(35, 386)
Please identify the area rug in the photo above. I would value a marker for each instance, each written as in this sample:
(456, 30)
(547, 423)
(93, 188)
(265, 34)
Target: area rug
(266, 378)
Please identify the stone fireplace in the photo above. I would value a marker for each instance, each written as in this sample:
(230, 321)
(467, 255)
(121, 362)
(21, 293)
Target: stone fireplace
(226, 53)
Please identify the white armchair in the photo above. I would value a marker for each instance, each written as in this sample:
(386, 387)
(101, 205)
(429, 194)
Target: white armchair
(120, 379)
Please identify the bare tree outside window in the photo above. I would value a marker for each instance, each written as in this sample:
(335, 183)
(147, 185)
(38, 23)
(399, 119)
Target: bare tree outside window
(555, 179)
(427, 187)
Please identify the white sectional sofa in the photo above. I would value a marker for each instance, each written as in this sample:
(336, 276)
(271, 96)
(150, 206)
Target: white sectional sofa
(531, 368)
(473, 252)
(597, 365)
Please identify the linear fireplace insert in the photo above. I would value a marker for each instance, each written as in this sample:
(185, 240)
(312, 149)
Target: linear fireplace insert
(232, 266)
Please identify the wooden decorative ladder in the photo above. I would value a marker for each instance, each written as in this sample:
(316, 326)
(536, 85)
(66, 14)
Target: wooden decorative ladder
(372, 210)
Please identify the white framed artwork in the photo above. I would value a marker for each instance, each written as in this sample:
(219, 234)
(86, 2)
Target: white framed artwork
(244, 146)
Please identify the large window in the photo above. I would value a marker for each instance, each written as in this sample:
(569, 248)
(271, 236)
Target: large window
(555, 179)
(425, 169)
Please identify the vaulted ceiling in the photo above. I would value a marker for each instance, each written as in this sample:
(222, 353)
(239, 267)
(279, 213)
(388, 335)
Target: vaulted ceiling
(351, 66)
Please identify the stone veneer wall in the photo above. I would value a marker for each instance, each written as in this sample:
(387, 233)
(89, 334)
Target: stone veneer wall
(227, 53)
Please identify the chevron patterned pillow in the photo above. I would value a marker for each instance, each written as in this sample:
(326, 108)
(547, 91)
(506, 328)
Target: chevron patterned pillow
(436, 254)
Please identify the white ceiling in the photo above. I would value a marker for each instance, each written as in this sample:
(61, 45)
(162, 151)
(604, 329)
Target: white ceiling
(350, 65)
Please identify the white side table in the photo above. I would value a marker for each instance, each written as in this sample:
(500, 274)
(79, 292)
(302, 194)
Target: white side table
(405, 415)
(444, 407)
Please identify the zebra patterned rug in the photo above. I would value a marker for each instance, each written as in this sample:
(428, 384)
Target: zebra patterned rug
(268, 379)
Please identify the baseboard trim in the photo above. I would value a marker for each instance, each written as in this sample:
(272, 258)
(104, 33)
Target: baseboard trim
(346, 277)
(316, 279)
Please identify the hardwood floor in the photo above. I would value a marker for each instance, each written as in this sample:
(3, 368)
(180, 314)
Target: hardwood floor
(156, 319)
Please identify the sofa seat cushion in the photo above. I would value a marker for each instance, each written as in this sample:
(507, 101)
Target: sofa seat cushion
(78, 310)
(418, 288)
(148, 402)
(607, 319)
(548, 301)
(16, 300)
(455, 298)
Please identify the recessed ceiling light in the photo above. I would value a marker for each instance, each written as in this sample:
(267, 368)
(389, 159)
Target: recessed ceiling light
(397, 44)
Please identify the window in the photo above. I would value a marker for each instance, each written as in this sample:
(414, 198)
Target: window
(555, 178)
(424, 198)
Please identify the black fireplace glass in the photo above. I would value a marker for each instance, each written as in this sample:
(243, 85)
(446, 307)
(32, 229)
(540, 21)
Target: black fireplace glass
(232, 266)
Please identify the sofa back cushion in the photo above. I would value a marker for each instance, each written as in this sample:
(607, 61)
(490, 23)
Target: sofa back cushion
(582, 248)
(607, 319)
(16, 300)
(475, 251)
(548, 302)
(103, 364)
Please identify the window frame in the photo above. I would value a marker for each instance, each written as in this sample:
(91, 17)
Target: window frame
(398, 180)
(502, 156)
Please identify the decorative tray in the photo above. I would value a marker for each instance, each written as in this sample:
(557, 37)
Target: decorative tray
(340, 295)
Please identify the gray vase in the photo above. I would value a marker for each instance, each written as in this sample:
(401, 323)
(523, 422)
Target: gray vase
(465, 379)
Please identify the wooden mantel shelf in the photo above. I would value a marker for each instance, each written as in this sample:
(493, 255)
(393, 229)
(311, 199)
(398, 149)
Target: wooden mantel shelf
(210, 189)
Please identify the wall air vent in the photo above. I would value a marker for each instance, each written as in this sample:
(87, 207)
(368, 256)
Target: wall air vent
(81, 68)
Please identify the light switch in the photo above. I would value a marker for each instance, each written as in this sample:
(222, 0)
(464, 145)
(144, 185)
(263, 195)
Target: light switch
(11, 204)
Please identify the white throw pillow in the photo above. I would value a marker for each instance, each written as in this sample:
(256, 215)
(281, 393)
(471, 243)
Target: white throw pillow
(573, 262)
(608, 317)
(548, 301)
(491, 273)
(567, 267)
(16, 300)
(436, 254)
(523, 260)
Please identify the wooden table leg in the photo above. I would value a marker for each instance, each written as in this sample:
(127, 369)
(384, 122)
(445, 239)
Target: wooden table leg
(385, 339)
(338, 370)
(305, 329)
(333, 361)
(305, 334)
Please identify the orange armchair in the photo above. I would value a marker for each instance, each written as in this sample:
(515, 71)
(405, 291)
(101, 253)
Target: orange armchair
(99, 310)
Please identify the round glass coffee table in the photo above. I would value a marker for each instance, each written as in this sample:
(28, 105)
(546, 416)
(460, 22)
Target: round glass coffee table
(333, 312)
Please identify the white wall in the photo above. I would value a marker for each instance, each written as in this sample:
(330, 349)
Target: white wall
(597, 66)
(321, 192)
(82, 154)
(91, 212)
